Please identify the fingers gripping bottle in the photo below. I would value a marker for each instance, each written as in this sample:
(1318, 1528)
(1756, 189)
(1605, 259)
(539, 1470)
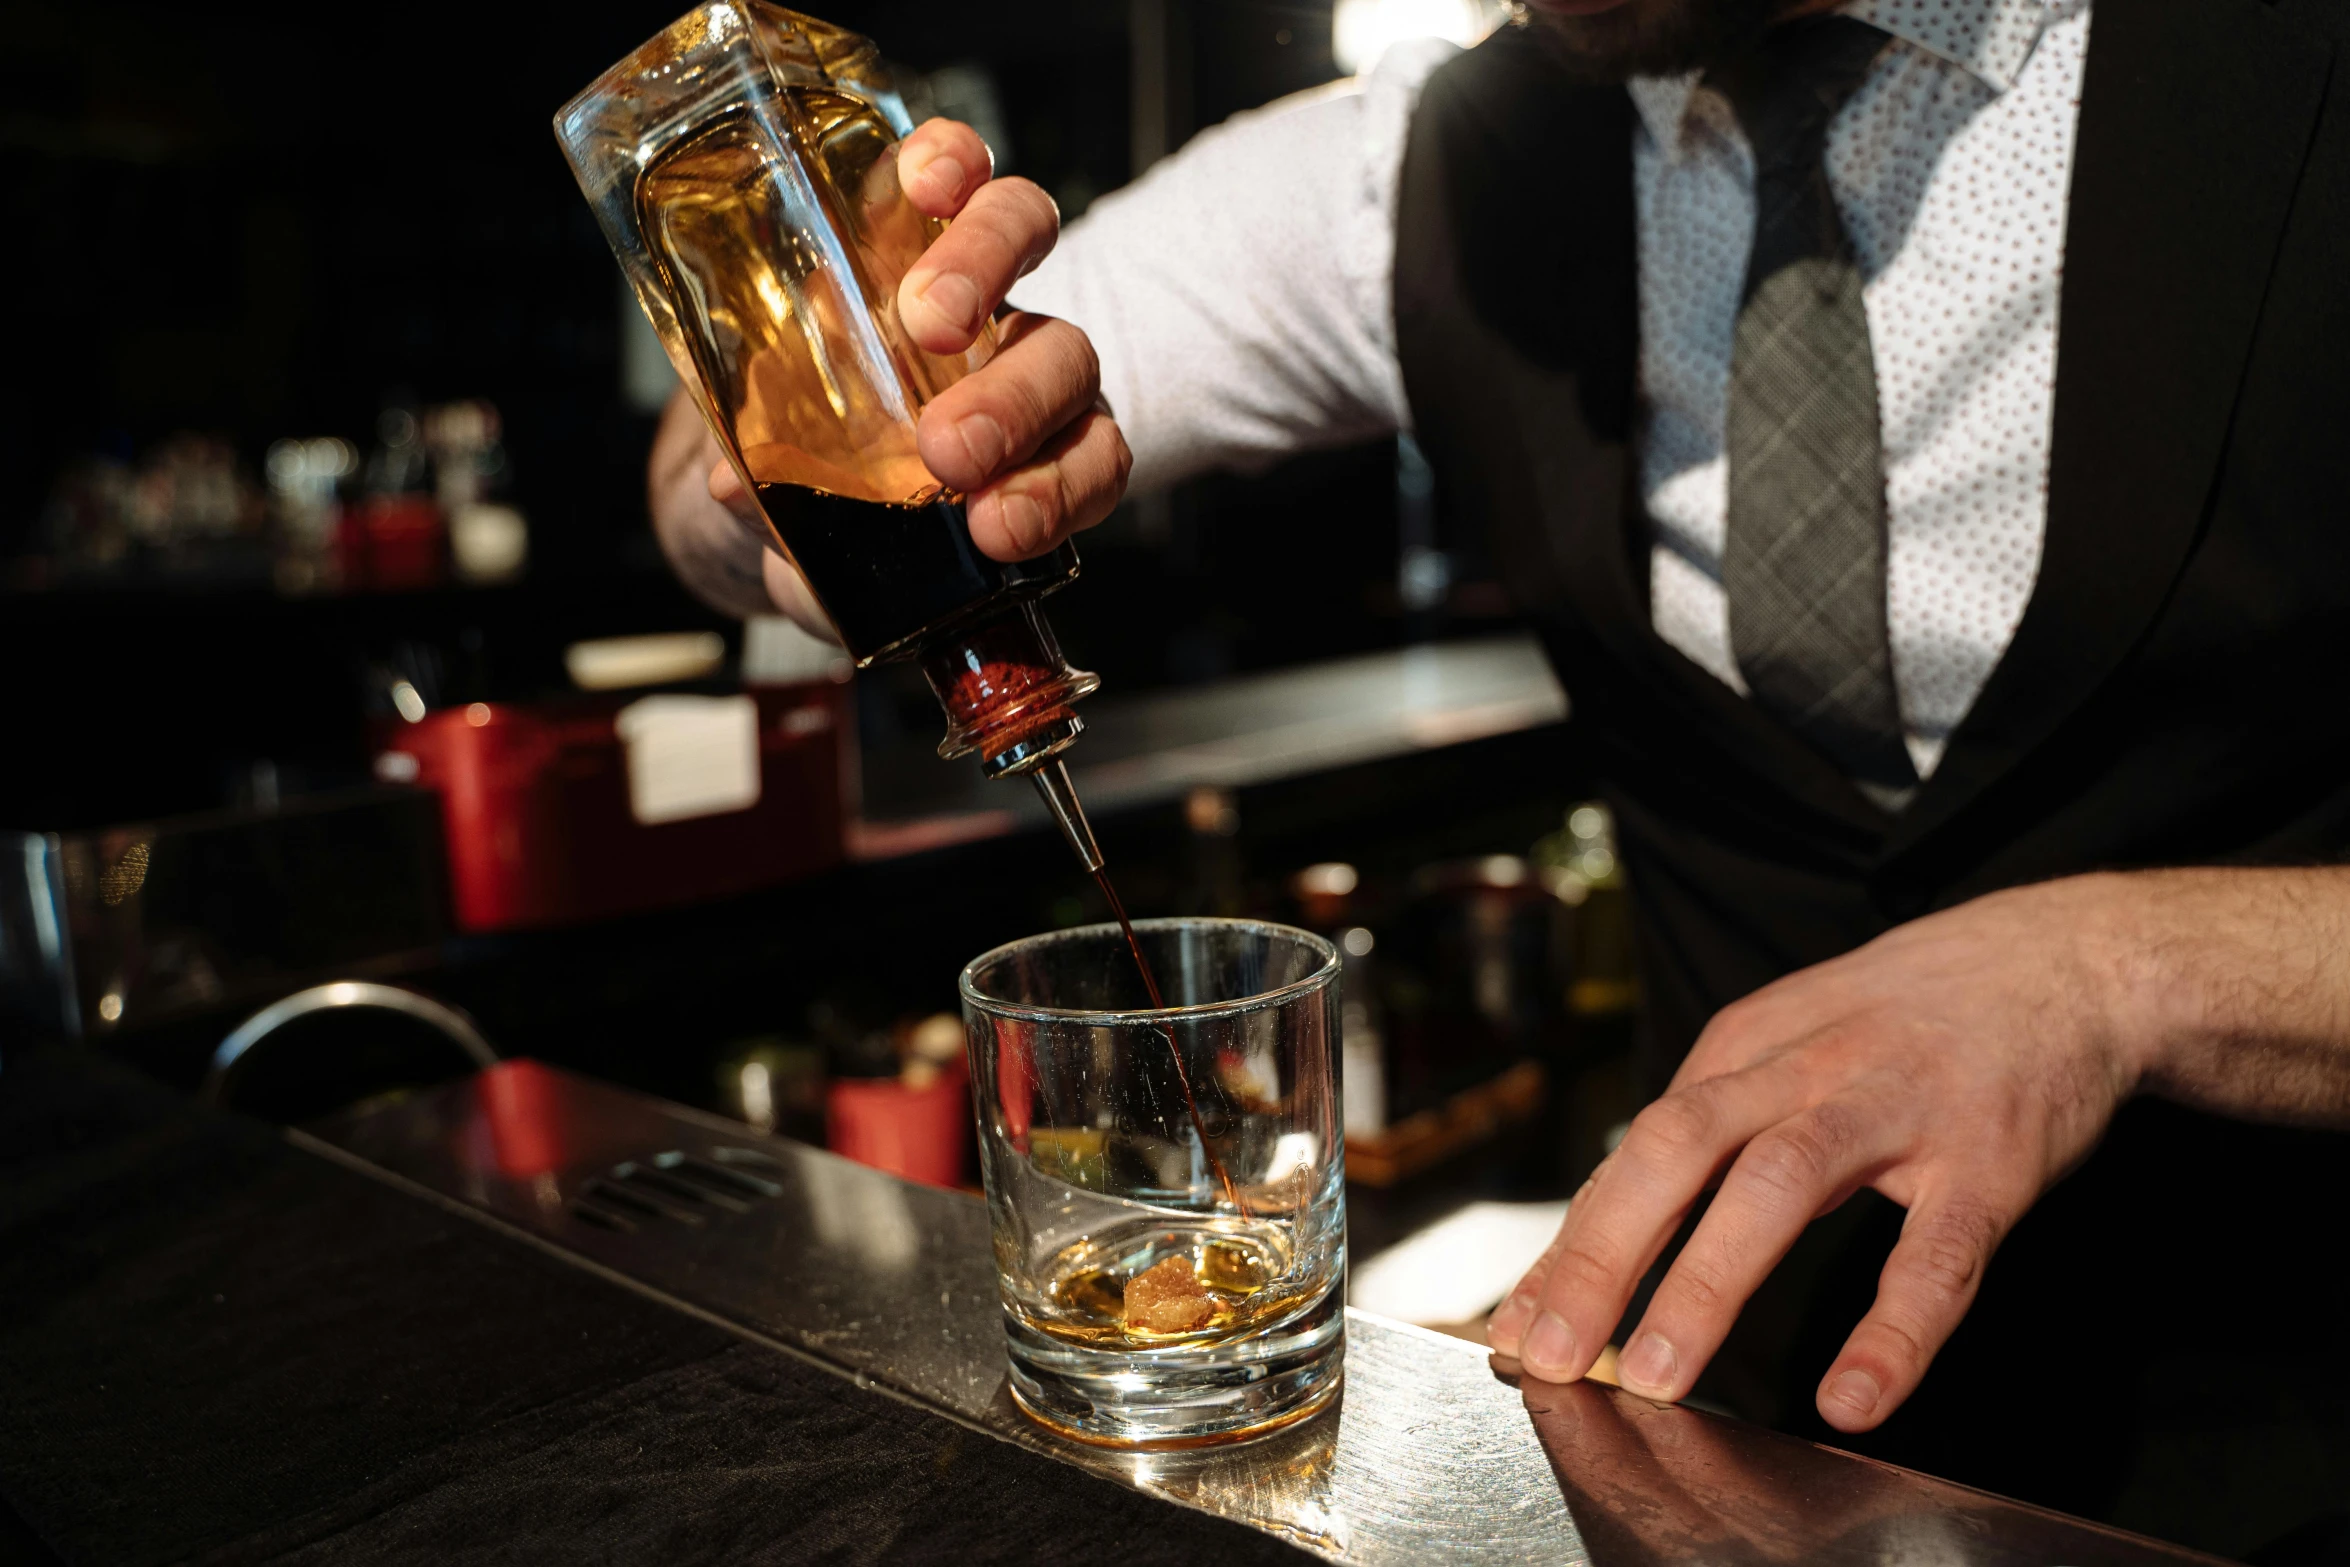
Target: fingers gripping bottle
(743, 166)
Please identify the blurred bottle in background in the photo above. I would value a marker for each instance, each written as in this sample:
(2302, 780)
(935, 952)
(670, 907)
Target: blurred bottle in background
(186, 510)
(431, 491)
(1324, 895)
(488, 540)
(1216, 876)
(1579, 865)
(776, 1085)
(392, 540)
(305, 485)
(1600, 1090)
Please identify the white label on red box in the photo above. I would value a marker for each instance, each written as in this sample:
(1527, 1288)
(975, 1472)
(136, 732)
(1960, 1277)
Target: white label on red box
(690, 756)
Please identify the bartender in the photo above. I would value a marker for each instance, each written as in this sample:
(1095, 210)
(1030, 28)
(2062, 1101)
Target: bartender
(1916, 429)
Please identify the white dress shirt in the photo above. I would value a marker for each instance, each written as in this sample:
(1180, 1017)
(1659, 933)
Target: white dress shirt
(1240, 297)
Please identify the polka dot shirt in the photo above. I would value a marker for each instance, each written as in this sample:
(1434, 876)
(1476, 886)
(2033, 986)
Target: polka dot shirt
(1950, 165)
(1239, 296)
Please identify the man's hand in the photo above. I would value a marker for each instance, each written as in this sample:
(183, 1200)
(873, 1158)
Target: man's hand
(1960, 1065)
(1025, 439)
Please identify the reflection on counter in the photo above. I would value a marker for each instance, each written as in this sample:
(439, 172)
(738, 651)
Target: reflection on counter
(1653, 1483)
(1429, 1455)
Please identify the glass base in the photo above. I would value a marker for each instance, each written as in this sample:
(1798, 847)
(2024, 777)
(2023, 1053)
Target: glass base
(1181, 1395)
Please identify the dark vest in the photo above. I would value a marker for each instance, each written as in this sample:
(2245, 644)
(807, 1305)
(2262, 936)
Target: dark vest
(2179, 689)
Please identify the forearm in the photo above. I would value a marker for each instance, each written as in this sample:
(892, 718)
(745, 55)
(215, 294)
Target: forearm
(2233, 988)
(1239, 295)
(712, 552)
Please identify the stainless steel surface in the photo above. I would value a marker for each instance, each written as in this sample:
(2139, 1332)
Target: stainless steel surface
(1240, 732)
(341, 995)
(1431, 1456)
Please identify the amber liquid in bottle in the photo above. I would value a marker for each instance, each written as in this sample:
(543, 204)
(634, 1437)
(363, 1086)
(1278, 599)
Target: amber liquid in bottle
(892, 574)
(771, 311)
(786, 298)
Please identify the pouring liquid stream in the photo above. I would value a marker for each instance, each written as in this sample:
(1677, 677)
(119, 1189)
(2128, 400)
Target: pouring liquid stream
(1150, 985)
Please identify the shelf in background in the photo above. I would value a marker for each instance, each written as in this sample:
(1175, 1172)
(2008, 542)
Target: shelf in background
(1149, 750)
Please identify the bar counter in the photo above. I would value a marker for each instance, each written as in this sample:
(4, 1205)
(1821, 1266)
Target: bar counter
(529, 1316)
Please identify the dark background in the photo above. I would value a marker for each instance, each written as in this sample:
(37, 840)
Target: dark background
(262, 221)
(267, 221)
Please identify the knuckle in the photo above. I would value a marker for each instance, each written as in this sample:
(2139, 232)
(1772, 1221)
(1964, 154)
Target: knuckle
(984, 239)
(1576, 1273)
(1092, 473)
(1032, 201)
(1079, 354)
(1801, 1158)
(1530, 1287)
(1731, 1020)
(1788, 1163)
(1697, 1287)
(1943, 1269)
(1066, 376)
(948, 135)
(1895, 1343)
(1678, 1126)
(1121, 457)
(1840, 1127)
(1022, 219)
(1027, 407)
(1068, 497)
(1947, 1256)
(1731, 1032)
(1051, 500)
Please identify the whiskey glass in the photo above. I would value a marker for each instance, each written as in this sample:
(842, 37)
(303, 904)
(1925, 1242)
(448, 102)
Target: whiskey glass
(1198, 1144)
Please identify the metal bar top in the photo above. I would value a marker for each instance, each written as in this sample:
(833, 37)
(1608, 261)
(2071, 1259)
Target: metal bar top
(1431, 1455)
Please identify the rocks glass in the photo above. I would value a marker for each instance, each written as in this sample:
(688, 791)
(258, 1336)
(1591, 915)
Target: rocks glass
(1166, 1187)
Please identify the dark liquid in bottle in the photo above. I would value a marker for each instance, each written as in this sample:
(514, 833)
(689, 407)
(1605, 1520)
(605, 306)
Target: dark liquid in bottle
(888, 573)
(1150, 985)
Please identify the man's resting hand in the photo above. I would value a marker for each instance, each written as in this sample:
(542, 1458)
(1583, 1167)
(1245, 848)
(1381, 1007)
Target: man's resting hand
(1960, 1065)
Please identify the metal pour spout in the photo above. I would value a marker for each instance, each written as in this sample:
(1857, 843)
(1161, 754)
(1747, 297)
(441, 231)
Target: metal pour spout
(1060, 798)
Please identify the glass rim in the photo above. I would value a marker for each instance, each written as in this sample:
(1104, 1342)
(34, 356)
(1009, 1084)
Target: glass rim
(1323, 973)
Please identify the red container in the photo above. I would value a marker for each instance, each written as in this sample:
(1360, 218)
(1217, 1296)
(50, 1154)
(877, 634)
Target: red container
(536, 803)
(922, 1134)
(392, 543)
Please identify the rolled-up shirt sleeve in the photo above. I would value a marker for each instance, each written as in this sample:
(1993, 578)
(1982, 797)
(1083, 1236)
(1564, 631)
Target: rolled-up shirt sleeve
(1240, 293)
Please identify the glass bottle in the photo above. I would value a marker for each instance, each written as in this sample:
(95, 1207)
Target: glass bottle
(743, 166)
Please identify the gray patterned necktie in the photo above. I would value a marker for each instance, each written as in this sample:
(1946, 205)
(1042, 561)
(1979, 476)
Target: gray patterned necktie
(1804, 562)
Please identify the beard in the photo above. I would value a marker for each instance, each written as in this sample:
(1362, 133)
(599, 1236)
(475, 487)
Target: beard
(1653, 37)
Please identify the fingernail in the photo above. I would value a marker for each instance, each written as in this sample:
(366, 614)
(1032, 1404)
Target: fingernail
(954, 298)
(1857, 1392)
(1649, 1365)
(1549, 1348)
(983, 443)
(942, 177)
